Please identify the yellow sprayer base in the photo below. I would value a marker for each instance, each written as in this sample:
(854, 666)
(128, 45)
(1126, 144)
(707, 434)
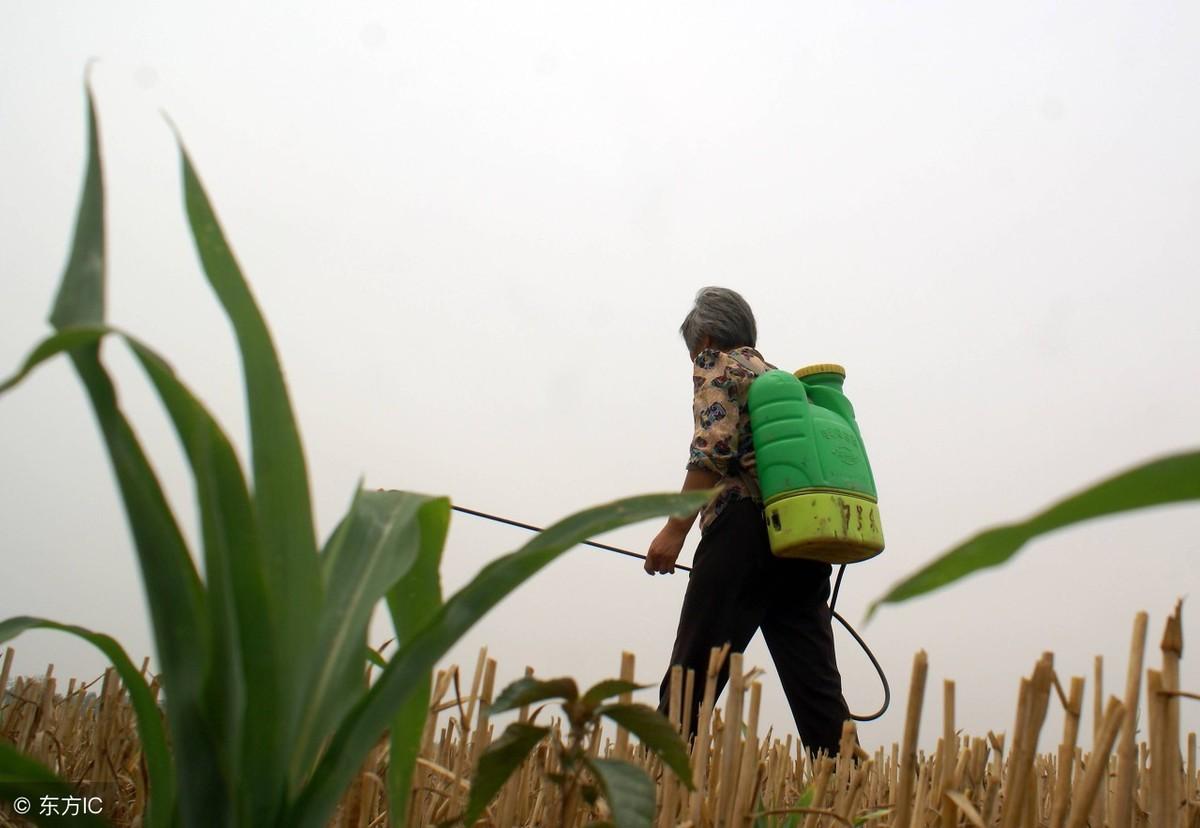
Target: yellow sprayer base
(836, 527)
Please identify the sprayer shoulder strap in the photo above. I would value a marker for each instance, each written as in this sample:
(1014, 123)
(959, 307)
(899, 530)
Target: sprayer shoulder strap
(740, 360)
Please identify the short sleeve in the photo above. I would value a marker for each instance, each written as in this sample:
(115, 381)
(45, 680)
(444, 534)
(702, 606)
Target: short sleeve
(716, 413)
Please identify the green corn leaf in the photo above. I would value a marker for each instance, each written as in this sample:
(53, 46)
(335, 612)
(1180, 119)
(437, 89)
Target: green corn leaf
(498, 762)
(372, 548)
(375, 658)
(529, 690)
(413, 661)
(1169, 479)
(149, 720)
(655, 732)
(169, 577)
(174, 595)
(69, 339)
(628, 791)
(281, 494)
(608, 688)
(21, 776)
(80, 299)
(413, 601)
(233, 565)
(408, 726)
(244, 675)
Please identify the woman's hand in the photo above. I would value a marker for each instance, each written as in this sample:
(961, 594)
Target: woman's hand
(664, 549)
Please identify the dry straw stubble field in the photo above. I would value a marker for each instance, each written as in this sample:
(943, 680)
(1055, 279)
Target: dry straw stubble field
(1131, 775)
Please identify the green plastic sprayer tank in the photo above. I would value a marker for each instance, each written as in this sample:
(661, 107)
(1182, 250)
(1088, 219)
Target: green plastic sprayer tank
(819, 496)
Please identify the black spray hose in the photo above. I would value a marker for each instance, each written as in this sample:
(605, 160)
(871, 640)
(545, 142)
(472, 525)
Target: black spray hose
(887, 691)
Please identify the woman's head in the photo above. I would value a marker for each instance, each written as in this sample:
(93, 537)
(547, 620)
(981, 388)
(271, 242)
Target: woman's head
(721, 319)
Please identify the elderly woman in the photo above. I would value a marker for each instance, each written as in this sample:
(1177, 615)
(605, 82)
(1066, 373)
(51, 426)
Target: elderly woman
(737, 586)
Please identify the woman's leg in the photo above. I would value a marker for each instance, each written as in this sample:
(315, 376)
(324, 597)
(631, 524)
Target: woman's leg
(725, 599)
(797, 628)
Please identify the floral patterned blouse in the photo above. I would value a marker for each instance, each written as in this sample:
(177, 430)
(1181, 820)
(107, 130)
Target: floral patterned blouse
(722, 433)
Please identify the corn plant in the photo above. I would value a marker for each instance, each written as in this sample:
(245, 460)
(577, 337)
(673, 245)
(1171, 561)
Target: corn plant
(1174, 478)
(582, 777)
(267, 718)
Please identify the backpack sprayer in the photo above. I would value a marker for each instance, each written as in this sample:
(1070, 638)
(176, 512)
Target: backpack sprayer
(818, 492)
(819, 499)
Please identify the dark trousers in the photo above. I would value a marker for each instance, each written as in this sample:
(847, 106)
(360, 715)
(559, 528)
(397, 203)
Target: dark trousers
(738, 587)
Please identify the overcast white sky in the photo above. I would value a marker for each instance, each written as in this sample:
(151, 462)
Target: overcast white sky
(475, 229)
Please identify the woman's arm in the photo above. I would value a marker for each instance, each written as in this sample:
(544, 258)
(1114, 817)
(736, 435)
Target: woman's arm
(714, 443)
(665, 547)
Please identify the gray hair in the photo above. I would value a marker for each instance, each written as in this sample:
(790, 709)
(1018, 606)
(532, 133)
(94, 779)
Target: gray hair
(723, 315)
